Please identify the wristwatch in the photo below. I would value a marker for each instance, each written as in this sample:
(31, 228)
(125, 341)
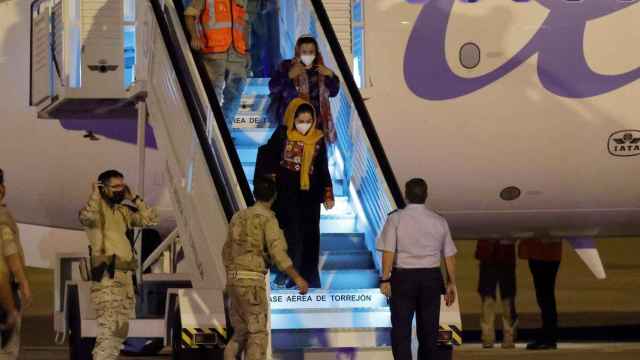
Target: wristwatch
(383, 281)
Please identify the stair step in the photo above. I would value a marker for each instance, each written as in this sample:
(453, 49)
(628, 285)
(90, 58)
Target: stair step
(342, 242)
(313, 342)
(321, 345)
(346, 260)
(348, 318)
(334, 224)
(341, 209)
(348, 279)
(251, 137)
(257, 86)
(247, 154)
(249, 170)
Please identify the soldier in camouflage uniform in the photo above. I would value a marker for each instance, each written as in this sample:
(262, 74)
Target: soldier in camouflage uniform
(11, 271)
(12, 259)
(254, 242)
(106, 222)
(10, 313)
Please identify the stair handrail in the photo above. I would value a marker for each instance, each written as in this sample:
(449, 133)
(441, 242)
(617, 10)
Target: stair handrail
(221, 179)
(358, 102)
(218, 114)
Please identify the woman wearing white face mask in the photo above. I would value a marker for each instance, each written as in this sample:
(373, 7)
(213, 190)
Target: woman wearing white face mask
(307, 77)
(298, 158)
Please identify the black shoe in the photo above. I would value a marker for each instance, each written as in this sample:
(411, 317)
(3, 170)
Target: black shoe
(542, 345)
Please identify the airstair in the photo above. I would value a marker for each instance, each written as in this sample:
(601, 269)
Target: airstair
(209, 168)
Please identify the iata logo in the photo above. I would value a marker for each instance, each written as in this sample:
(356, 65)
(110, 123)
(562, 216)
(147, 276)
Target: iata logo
(625, 143)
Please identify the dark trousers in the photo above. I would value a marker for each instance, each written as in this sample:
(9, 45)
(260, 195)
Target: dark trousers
(544, 279)
(493, 275)
(300, 218)
(415, 291)
(264, 38)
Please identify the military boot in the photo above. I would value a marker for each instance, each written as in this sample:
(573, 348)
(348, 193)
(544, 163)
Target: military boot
(509, 323)
(487, 322)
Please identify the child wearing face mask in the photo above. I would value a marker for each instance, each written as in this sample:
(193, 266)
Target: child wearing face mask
(299, 158)
(305, 76)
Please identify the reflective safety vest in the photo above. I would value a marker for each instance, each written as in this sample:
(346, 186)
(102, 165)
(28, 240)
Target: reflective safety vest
(223, 25)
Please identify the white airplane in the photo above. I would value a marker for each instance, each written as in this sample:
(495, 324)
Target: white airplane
(49, 164)
(520, 114)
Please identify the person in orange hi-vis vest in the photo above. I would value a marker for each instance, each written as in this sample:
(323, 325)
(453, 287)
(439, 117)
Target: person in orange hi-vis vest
(218, 30)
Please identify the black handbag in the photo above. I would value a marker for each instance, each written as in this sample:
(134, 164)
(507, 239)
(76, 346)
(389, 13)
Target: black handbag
(267, 159)
(273, 109)
(264, 162)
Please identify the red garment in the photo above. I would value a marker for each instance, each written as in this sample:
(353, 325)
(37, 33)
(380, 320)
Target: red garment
(292, 156)
(496, 251)
(323, 110)
(540, 249)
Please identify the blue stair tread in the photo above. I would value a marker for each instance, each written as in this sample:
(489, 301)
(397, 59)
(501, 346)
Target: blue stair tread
(373, 321)
(343, 235)
(342, 242)
(251, 137)
(258, 86)
(347, 260)
(347, 279)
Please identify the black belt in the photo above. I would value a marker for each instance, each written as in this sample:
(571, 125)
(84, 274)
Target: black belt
(433, 269)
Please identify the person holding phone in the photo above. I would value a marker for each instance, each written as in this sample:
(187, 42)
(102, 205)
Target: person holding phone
(106, 220)
(305, 76)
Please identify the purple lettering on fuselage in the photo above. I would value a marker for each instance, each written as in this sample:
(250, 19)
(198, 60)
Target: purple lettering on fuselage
(562, 66)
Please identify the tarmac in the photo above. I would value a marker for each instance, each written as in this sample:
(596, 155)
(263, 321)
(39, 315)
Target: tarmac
(581, 351)
(598, 318)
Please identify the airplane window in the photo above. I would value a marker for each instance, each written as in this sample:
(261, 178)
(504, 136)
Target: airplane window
(470, 55)
(510, 193)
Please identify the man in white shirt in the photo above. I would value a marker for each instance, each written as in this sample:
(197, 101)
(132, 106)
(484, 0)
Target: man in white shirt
(414, 241)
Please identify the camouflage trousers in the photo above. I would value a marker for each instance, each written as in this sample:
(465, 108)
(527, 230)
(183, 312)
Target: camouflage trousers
(248, 315)
(11, 351)
(114, 302)
(228, 74)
